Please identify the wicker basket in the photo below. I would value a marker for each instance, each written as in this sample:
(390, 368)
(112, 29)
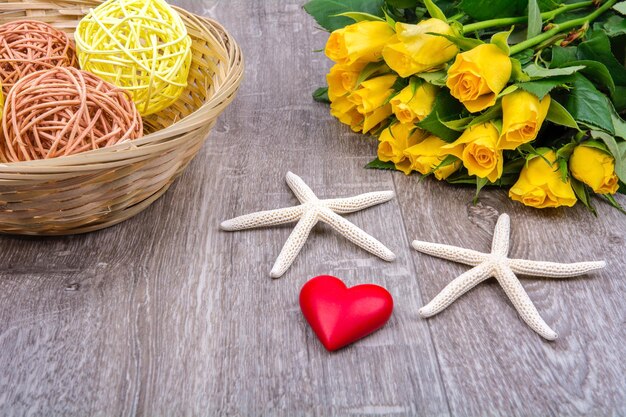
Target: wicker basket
(97, 189)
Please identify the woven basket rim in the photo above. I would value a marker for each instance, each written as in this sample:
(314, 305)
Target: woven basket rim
(230, 56)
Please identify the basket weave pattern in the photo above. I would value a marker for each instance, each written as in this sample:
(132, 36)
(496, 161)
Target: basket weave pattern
(100, 188)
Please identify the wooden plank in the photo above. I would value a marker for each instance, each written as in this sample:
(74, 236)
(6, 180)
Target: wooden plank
(173, 316)
(166, 315)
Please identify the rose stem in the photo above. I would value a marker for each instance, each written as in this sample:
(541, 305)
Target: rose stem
(561, 27)
(506, 21)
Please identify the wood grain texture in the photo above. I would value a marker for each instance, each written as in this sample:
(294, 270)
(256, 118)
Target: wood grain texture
(166, 315)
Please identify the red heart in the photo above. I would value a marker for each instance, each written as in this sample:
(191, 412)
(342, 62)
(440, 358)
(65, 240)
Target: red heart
(340, 315)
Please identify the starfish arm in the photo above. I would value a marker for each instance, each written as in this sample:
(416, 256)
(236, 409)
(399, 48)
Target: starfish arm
(263, 218)
(356, 235)
(523, 304)
(453, 253)
(300, 189)
(459, 286)
(501, 234)
(360, 202)
(294, 243)
(553, 269)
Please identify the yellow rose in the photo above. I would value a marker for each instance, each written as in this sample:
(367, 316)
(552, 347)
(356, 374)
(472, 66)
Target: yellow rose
(373, 119)
(342, 79)
(413, 50)
(428, 154)
(540, 184)
(477, 148)
(362, 41)
(394, 141)
(371, 100)
(595, 168)
(522, 116)
(373, 93)
(347, 113)
(412, 107)
(478, 75)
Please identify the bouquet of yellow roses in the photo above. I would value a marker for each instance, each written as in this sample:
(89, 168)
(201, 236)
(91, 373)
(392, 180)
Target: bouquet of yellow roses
(525, 95)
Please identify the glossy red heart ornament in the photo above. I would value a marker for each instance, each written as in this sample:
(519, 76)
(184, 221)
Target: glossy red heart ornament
(340, 315)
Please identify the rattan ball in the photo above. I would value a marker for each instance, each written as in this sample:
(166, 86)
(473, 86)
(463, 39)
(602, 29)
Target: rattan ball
(27, 46)
(141, 46)
(64, 111)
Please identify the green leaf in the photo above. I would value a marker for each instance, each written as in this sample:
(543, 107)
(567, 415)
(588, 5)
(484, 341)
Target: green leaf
(559, 115)
(415, 83)
(562, 169)
(464, 44)
(390, 21)
(596, 72)
(582, 192)
(565, 152)
(619, 98)
(587, 105)
(614, 26)
(360, 16)
(369, 70)
(547, 5)
(321, 95)
(491, 9)
(501, 40)
(494, 112)
(480, 184)
(563, 56)
(598, 48)
(403, 4)
(378, 164)
(325, 11)
(434, 11)
(534, 19)
(513, 167)
(508, 90)
(459, 125)
(531, 153)
(618, 124)
(597, 145)
(437, 78)
(613, 202)
(620, 7)
(446, 108)
(461, 177)
(535, 71)
(447, 161)
(525, 56)
(517, 73)
(398, 86)
(617, 149)
(542, 87)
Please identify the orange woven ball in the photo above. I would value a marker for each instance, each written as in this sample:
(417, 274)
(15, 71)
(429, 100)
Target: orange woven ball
(27, 46)
(65, 111)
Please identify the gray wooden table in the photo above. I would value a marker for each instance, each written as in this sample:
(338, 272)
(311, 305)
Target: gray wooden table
(167, 315)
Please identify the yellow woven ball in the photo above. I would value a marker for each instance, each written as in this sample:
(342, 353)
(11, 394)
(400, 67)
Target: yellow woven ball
(141, 46)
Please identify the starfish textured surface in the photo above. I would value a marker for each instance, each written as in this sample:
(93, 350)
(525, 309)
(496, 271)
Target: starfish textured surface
(308, 213)
(497, 264)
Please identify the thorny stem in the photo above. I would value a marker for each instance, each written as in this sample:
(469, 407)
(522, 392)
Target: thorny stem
(507, 21)
(561, 27)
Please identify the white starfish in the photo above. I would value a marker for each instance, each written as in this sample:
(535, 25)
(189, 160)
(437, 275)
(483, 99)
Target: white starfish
(308, 213)
(497, 264)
